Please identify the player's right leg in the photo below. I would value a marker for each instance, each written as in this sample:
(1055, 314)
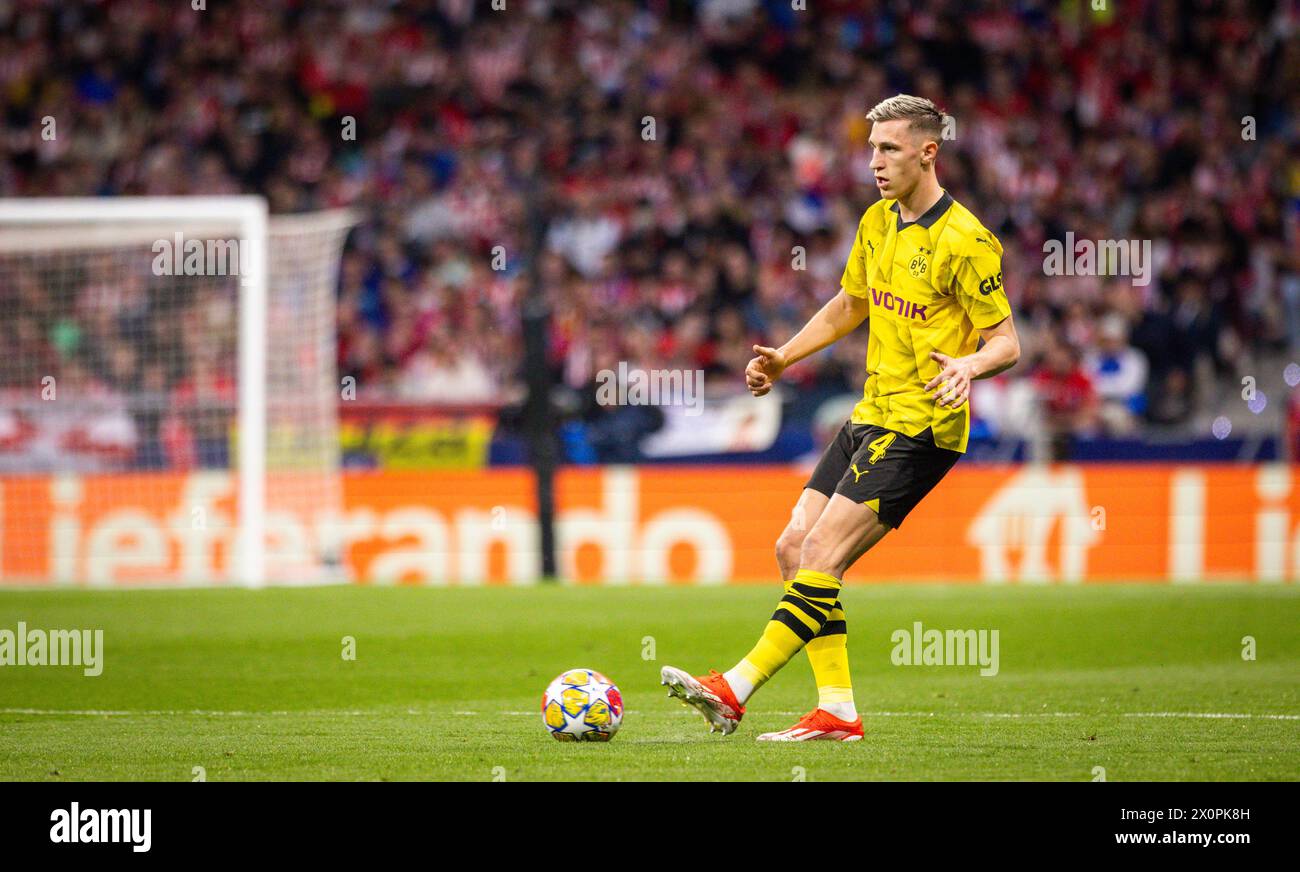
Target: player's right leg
(828, 652)
(890, 474)
(789, 545)
(845, 531)
(712, 695)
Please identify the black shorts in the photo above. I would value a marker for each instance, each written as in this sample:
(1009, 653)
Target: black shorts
(887, 471)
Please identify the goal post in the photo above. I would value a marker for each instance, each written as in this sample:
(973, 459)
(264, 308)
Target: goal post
(198, 332)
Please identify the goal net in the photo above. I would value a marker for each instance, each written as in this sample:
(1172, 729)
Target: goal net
(168, 392)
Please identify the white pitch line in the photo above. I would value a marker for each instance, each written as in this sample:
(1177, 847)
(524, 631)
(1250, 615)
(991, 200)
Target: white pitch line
(1243, 715)
(1015, 715)
(1011, 715)
(1208, 715)
(102, 713)
(152, 713)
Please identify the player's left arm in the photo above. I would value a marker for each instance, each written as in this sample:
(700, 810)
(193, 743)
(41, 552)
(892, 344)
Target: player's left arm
(1000, 352)
(977, 283)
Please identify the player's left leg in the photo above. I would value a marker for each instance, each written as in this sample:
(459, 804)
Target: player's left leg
(828, 655)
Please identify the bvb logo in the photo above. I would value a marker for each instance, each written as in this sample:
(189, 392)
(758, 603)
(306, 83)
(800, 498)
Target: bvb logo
(918, 266)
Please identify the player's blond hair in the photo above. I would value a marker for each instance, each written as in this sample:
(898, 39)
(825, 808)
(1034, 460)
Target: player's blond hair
(923, 115)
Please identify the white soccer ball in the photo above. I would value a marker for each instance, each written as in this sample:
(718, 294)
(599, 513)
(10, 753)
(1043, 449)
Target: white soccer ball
(582, 706)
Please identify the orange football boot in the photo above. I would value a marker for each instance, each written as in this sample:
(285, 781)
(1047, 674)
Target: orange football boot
(818, 725)
(709, 694)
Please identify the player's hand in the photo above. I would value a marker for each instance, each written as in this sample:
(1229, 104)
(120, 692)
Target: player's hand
(764, 370)
(952, 385)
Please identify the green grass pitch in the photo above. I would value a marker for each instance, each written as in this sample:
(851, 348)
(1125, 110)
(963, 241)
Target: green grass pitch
(251, 684)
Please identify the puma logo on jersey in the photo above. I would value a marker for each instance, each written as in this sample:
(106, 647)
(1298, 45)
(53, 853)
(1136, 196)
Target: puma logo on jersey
(880, 446)
(857, 473)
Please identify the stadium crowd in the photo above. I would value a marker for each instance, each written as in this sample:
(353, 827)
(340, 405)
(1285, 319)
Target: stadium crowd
(700, 168)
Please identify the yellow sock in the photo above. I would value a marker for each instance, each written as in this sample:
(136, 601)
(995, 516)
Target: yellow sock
(829, 655)
(809, 599)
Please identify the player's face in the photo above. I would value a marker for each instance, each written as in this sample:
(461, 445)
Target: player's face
(896, 156)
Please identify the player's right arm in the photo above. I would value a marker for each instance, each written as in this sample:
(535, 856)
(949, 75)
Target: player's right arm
(839, 317)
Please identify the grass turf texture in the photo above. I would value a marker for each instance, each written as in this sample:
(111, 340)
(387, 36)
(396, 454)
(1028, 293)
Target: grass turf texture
(447, 685)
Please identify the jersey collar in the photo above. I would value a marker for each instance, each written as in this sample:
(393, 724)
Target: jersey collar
(931, 215)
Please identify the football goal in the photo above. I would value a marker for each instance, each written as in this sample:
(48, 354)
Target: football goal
(168, 392)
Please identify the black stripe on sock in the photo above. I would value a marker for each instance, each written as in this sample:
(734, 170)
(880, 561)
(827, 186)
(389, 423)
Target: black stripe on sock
(816, 611)
(831, 628)
(798, 627)
(818, 593)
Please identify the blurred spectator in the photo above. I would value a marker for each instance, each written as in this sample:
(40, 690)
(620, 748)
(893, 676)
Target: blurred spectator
(678, 243)
(445, 371)
(1119, 373)
(204, 399)
(1069, 400)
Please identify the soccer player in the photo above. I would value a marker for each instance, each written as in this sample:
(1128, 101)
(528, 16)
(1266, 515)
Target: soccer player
(927, 277)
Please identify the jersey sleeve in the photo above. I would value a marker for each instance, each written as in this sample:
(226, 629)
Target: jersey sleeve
(855, 280)
(977, 281)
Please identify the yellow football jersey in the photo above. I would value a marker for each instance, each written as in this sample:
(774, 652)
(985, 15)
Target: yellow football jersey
(931, 283)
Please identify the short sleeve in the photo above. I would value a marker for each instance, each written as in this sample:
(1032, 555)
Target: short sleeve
(977, 281)
(854, 281)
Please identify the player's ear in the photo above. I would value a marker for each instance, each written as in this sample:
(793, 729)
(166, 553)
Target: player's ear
(929, 152)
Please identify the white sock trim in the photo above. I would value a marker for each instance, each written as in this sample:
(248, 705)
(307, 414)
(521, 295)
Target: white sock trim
(845, 711)
(741, 686)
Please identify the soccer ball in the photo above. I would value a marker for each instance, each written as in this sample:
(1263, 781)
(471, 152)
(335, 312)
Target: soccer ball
(582, 706)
